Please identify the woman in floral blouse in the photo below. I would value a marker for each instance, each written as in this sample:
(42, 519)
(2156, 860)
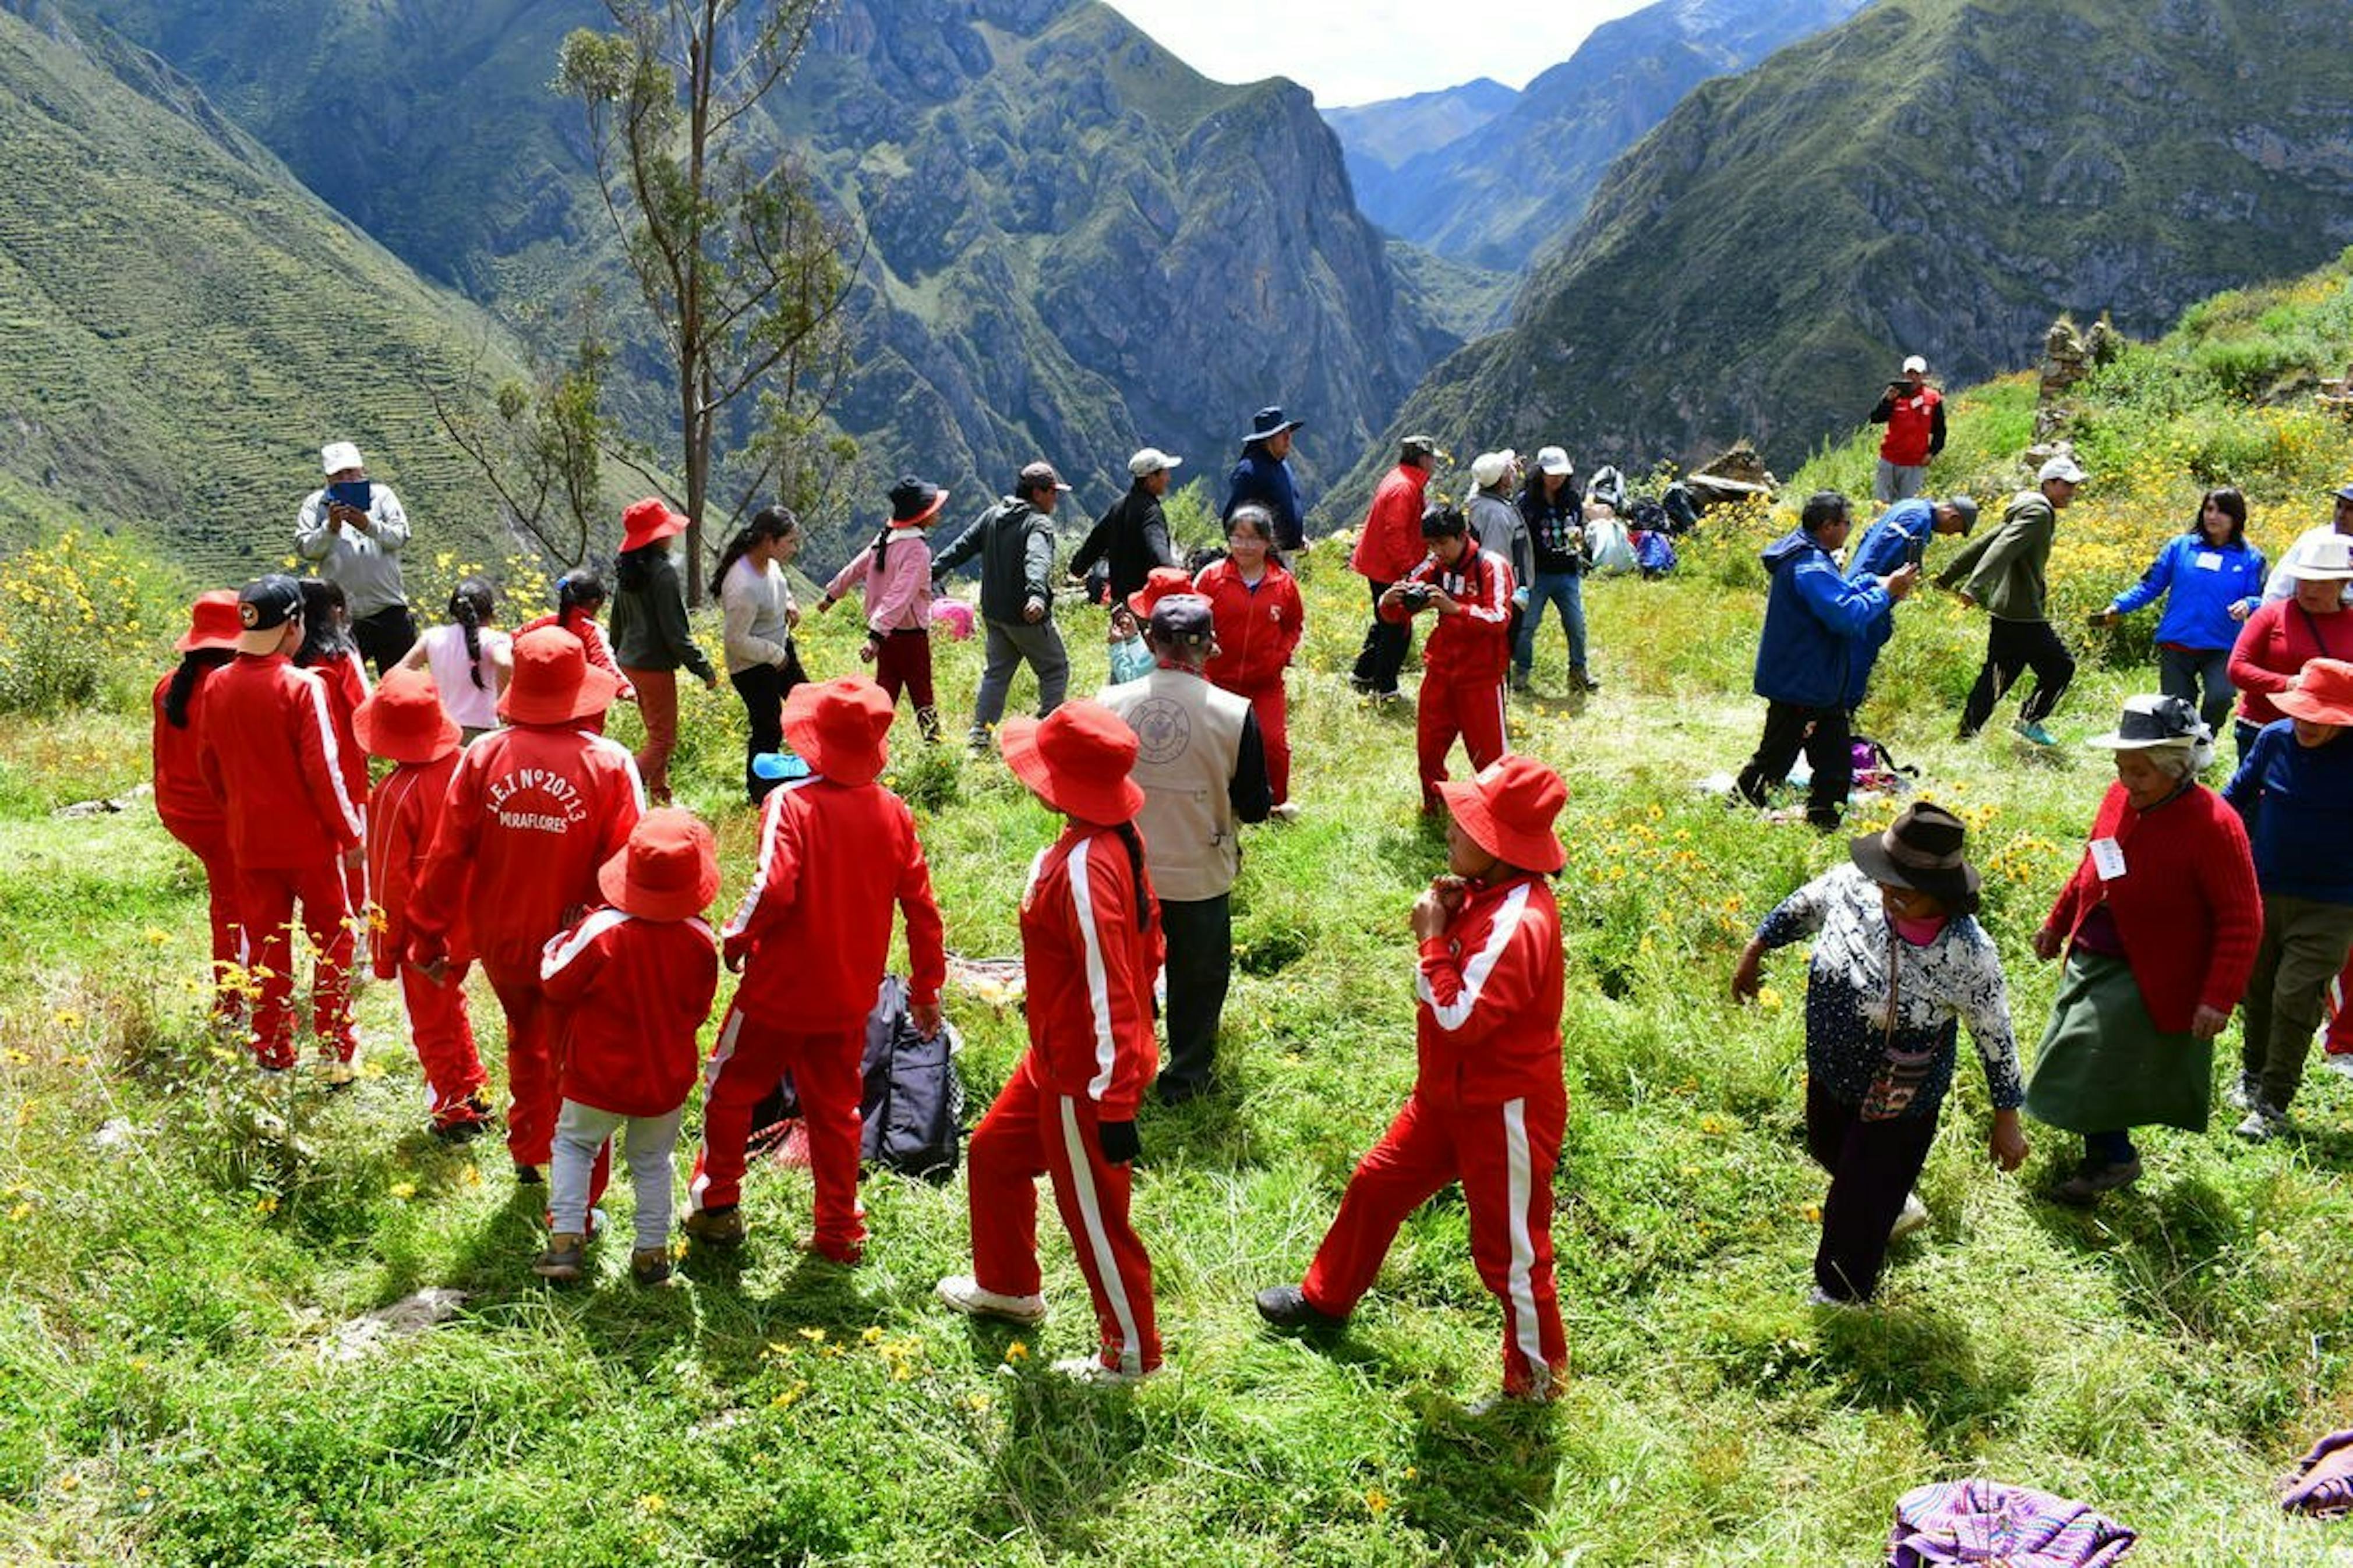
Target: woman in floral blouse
(1898, 960)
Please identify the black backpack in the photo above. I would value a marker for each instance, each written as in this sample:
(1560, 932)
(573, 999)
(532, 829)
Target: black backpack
(912, 1109)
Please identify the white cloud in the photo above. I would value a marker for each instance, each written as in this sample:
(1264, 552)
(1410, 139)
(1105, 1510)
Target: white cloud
(1354, 51)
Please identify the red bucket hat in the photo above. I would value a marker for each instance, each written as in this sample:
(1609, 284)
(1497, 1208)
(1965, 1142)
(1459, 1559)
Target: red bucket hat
(1158, 584)
(1077, 759)
(553, 683)
(647, 521)
(1508, 811)
(2323, 694)
(669, 870)
(402, 719)
(212, 623)
(838, 727)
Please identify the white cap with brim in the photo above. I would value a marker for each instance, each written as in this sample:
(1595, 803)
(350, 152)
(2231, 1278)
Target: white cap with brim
(1914, 361)
(1553, 460)
(2062, 467)
(1152, 460)
(337, 456)
(2328, 558)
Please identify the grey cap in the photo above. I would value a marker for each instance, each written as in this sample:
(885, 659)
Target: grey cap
(1184, 620)
(1967, 507)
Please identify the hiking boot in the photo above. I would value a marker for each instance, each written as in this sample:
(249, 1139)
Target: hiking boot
(1287, 1307)
(462, 1122)
(1584, 681)
(1091, 1369)
(2244, 1091)
(1176, 1090)
(1914, 1217)
(650, 1265)
(2263, 1122)
(715, 1228)
(566, 1256)
(964, 1293)
(2027, 730)
(1521, 686)
(335, 1075)
(2093, 1179)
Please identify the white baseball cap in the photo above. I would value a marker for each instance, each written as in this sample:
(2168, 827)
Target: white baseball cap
(2062, 467)
(1553, 460)
(1150, 461)
(1489, 468)
(337, 456)
(1915, 362)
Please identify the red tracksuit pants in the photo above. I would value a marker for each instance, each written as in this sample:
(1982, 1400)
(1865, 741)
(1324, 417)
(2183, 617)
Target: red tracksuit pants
(208, 842)
(1272, 709)
(1449, 707)
(1031, 1131)
(2339, 1040)
(1504, 1155)
(265, 898)
(829, 1080)
(534, 1068)
(444, 1036)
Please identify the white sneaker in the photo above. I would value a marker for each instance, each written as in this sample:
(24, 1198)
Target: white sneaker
(1288, 810)
(2263, 1123)
(963, 1292)
(1091, 1369)
(2244, 1090)
(2342, 1066)
(1914, 1217)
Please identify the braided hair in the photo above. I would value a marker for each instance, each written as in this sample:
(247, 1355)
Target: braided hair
(471, 604)
(1133, 840)
(579, 594)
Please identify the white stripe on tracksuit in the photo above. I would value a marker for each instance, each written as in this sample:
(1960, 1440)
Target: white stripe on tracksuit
(334, 754)
(1082, 1188)
(627, 759)
(1474, 976)
(1526, 1331)
(561, 949)
(720, 1050)
(1097, 987)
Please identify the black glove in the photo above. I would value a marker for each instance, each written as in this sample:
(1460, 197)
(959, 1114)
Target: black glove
(1118, 1141)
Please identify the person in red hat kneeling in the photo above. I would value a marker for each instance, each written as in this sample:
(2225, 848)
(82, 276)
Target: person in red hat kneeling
(533, 810)
(404, 721)
(838, 850)
(1090, 947)
(1488, 1105)
(636, 978)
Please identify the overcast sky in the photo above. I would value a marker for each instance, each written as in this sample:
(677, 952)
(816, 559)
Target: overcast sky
(1354, 51)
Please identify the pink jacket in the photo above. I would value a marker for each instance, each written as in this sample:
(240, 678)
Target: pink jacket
(898, 591)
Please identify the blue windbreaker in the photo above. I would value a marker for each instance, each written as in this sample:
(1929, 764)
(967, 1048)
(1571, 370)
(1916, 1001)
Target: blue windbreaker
(2199, 584)
(1813, 650)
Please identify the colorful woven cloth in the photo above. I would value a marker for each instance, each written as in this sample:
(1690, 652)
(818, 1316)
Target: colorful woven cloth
(2323, 1482)
(1989, 1522)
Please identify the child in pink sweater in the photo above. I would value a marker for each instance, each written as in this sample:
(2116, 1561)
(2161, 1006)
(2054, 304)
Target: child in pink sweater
(897, 571)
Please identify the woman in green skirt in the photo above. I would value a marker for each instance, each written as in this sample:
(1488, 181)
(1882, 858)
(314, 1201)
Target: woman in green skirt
(2160, 925)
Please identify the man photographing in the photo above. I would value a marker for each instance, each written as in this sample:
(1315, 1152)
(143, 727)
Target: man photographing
(355, 530)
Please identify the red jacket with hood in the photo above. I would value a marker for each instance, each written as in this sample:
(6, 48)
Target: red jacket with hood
(533, 810)
(1390, 541)
(638, 992)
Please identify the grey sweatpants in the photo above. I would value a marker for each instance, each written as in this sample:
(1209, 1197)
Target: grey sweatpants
(580, 1131)
(1010, 643)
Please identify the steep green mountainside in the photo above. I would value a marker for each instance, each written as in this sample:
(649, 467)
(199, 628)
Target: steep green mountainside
(1378, 137)
(182, 324)
(1507, 188)
(1938, 176)
(1076, 245)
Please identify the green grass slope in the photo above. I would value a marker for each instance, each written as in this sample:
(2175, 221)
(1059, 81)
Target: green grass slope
(182, 325)
(187, 1254)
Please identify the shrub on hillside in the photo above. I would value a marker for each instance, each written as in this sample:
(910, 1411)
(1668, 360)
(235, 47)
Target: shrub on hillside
(69, 610)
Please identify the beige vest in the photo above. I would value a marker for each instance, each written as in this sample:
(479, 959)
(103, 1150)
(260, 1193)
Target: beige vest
(1188, 741)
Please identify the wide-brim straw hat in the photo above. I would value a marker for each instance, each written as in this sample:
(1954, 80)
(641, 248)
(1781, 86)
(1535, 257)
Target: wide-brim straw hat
(2148, 721)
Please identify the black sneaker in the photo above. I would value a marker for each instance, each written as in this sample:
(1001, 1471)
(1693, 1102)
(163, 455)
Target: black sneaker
(529, 1175)
(1287, 1307)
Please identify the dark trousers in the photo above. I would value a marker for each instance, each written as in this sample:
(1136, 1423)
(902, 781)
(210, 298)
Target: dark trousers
(1200, 933)
(762, 688)
(2013, 647)
(2182, 671)
(1873, 1165)
(1826, 750)
(1382, 657)
(384, 636)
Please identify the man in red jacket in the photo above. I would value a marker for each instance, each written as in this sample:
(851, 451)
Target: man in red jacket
(1090, 944)
(269, 757)
(1388, 547)
(533, 810)
(838, 853)
(1488, 1106)
(1913, 413)
(1464, 663)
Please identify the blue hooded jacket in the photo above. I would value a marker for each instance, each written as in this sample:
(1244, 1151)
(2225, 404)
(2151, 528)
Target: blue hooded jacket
(1817, 625)
(1900, 538)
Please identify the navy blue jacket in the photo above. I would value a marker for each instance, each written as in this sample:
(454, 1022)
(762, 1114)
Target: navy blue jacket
(1816, 626)
(2297, 803)
(1267, 481)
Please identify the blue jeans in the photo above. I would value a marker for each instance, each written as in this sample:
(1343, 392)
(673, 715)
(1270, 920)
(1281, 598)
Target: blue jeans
(1564, 590)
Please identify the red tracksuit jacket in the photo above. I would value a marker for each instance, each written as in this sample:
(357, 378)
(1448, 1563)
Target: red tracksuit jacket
(1475, 646)
(638, 990)
(183, 799)
(1256, 633)
(813, 927)
(1487, 1026)
(533, 810)
(270, 755)
(1389, 546)
(408, 809)
(1090, 972)
(347, 687)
